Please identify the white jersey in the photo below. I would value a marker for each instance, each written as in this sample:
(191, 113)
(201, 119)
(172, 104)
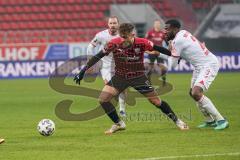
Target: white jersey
(100, 40)
(187, 47)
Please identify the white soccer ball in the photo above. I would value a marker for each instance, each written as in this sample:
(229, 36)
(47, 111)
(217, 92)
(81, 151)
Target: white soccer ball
(46, 127)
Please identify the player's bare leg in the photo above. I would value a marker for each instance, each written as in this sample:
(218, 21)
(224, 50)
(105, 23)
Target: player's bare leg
(163, 73)
(166, 109)
(210, 112)
(2, 140)
(150, 70)
(105, 97)
(121, 101)
(160, 68)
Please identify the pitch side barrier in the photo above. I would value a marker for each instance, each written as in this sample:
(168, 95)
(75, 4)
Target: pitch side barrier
(38, 60)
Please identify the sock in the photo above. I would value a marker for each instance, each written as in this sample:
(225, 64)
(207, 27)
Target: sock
(110, 111)
(207, 104)
(166, 109)
(207, 116)
(121, 101)
(164, 77)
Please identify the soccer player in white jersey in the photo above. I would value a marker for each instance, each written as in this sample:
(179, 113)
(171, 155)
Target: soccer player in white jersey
(100, 40)
(185, 46)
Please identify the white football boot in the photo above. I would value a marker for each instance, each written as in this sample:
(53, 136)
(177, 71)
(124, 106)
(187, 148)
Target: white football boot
(181, 125)
(116, 127)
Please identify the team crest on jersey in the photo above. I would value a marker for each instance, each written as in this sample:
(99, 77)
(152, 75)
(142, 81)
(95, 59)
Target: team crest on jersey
(137, 50)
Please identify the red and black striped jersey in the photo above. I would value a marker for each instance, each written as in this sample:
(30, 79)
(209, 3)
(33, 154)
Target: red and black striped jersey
(128, 57)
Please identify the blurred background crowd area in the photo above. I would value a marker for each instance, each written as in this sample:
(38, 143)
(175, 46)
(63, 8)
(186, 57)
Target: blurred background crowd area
(54, 21)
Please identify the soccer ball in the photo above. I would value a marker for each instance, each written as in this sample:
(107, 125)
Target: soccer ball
(46, 127)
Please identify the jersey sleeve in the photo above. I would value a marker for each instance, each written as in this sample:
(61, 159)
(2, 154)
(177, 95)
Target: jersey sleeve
(96, 40)
(148, 45)
(177, 47)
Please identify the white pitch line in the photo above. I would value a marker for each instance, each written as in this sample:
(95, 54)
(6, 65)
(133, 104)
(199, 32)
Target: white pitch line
(191, 156)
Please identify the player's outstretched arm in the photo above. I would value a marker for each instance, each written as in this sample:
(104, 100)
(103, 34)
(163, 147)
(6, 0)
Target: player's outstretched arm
(78, 77)
(163, 56)
(162, 50)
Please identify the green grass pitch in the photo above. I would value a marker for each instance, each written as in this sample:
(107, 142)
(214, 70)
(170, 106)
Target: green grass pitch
(23, 103)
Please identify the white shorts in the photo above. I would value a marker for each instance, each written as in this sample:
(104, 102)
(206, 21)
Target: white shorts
(107, 73)
(204, 76)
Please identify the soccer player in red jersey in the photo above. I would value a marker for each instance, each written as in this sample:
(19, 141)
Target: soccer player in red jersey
(128, 53)
(107, 67)
(157, 36)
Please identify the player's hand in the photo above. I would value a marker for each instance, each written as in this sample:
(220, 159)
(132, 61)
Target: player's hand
(78, 77)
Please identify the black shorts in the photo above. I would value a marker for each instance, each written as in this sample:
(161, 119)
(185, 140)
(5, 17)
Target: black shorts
(141, 84)
(153, 57)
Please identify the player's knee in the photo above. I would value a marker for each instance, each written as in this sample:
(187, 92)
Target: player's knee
(103, 99)
(196, 94)
(164, 71)
(155, 101)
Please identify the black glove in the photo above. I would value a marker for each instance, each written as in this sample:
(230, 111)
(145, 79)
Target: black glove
(78, 77)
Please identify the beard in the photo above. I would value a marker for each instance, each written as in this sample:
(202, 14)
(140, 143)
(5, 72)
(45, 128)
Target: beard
(113, 30)
(170, 36)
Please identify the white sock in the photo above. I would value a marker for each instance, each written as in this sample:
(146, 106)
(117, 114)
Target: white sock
(121, 100)
(208, 117)
(207, 104)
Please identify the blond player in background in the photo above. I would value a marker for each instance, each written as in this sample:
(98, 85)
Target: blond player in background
(107, 69)
(185, 46)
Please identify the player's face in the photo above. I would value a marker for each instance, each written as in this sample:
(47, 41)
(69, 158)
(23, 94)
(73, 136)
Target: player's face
(128, 39)
(113, 24)
(157, 25)
(170, 32)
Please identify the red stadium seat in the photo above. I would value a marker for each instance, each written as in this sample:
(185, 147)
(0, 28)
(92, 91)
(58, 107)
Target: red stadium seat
(13, 26)
(60, 8)
(86, 8)
(68, 8)
(52, 8)
(10, 9)
(18, 9)
(103, 7)
(77, 8)
(65, 24)
(67, 16)
(47, 20)
(99, 15)
(43, 39)
(96, 1)
(15, 17)
(2, 9)
(94, 7)
(61, 39)
(6, 17)
(101, 24)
